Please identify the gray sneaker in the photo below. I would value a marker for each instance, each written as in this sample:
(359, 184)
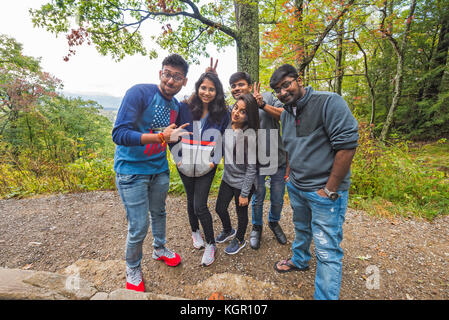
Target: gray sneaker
(209, 255)
(198, 241)
(170, 258)
(134, 278)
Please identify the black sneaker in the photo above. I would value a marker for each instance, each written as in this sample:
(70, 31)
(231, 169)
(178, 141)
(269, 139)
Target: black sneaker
(225, 236)
(235, 246)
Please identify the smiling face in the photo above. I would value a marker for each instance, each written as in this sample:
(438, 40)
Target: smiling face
(239, 116)
(240, 87)
(207, 91)
(172, 80)
(289, 89)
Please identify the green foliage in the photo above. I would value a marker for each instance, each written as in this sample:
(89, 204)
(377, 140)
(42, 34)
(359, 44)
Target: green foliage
(419, 115)
(114, 26)
(390, 174)
(48, 143)
(31, 177)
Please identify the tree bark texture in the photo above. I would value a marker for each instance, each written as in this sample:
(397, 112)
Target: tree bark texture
(339, 71)
(247, 41)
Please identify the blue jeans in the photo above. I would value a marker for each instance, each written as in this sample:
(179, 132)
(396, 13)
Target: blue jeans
(140, 194)
(277, 191)
(321, 219)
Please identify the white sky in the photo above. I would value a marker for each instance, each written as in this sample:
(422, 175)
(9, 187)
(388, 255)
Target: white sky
(89, 72)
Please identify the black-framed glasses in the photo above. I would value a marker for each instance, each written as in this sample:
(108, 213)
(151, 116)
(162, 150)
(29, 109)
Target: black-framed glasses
(285, 85)
(176, 77)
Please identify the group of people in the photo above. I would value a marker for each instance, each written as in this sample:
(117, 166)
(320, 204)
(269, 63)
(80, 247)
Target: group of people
(312, 157)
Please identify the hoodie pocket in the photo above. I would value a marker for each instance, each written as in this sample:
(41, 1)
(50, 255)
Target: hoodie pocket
(189, 154)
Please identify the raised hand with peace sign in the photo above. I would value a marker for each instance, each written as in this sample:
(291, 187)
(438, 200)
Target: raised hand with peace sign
(257, 95)
(212, 68)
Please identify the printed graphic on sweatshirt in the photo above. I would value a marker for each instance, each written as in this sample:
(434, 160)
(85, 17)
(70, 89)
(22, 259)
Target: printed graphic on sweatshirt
(163, 117)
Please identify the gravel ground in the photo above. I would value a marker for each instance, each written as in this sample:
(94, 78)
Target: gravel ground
(385, 258)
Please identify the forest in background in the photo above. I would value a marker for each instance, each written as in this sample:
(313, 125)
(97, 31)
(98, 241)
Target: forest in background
(388, 59)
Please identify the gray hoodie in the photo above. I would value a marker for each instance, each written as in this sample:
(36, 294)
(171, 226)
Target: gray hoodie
(237, 173)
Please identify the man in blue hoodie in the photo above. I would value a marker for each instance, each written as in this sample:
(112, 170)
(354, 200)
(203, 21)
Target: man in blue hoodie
(145, 124)
(320, 136)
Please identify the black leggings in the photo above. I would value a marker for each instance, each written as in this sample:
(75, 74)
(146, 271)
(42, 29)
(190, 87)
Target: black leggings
(225, 195)
(197, 190)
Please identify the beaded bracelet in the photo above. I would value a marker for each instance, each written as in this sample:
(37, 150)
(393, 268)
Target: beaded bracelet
(161, 136)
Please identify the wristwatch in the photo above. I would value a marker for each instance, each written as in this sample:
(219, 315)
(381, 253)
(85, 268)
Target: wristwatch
(263, 105)
(332, 195)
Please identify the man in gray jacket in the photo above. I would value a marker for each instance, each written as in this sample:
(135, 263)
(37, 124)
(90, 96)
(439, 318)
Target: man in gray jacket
(320, 136)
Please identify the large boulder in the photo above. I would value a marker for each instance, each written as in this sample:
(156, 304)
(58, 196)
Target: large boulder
(35, 285)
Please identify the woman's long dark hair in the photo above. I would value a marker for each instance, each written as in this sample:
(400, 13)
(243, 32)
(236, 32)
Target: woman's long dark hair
(252, 122)
(252, 110)
(217, 107)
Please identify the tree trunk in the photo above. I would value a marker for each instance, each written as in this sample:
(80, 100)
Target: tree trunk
(400, 52)
(339, 58)
(397, 95)
(247, 20)
(439, 59)
(301, 46)
(369, 81)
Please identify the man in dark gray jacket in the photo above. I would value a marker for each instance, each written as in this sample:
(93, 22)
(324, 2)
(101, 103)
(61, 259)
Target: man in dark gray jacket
(320, 136)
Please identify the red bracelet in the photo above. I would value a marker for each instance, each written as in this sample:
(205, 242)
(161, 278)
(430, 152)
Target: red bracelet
(161, 136)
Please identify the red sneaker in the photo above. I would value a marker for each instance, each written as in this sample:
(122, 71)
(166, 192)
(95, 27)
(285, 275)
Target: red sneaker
(170, 258)
(134, 275)
(140, 287)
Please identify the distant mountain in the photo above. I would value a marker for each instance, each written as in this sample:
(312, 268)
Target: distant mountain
(106, 101)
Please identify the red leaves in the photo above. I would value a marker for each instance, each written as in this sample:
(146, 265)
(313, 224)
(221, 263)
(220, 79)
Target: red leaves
(25, 88)
(166, 6)
(168, 30)
(76, 38)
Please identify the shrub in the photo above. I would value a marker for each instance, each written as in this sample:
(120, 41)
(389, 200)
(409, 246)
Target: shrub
(385, 174)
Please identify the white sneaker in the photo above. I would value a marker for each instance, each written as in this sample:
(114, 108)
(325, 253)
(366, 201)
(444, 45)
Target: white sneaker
(209, 255)
(198, 241)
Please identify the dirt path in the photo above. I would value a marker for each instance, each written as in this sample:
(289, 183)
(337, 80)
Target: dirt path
(384, 258)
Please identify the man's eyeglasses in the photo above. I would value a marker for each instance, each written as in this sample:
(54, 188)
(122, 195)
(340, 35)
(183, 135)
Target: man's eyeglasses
(284, 85)
(176, 77)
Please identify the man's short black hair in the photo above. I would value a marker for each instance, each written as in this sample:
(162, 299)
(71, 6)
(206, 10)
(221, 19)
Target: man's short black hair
(176, 60)
(286, 70)
(240, 76)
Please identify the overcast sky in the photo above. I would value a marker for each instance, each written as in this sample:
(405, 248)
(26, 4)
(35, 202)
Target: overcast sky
(89, 72)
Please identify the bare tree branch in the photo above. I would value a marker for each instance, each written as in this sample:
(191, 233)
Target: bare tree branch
(323, 35)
